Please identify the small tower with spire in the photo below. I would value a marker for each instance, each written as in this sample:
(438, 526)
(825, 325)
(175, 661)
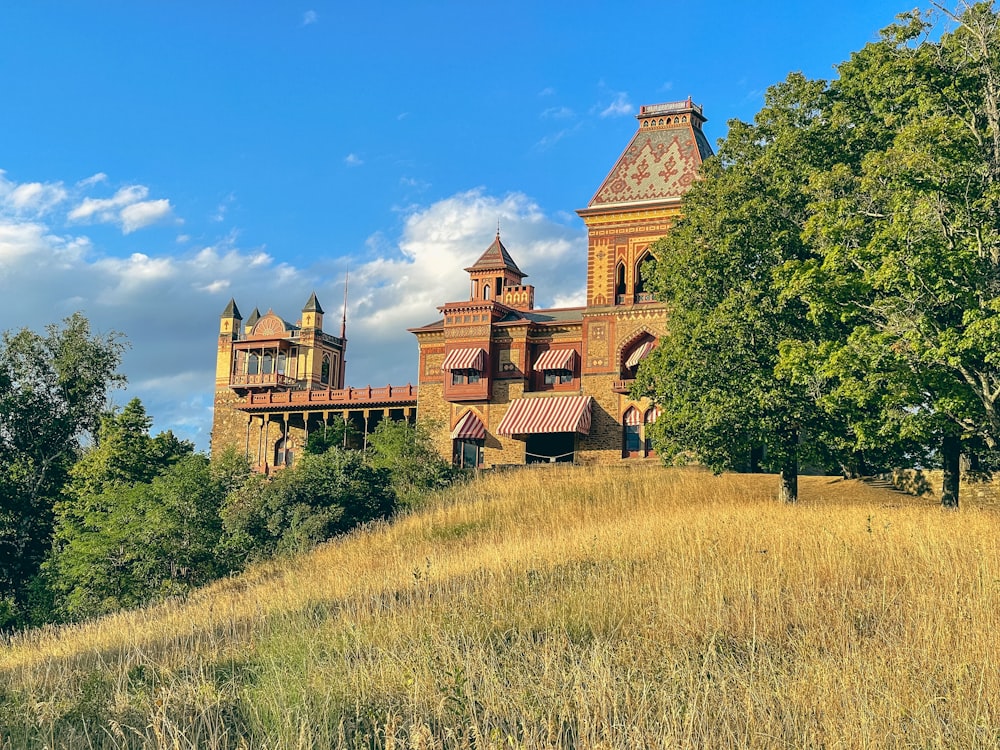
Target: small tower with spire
(496, 277)
(312, 314)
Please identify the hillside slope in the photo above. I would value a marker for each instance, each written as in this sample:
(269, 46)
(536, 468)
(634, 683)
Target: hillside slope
(559, 607)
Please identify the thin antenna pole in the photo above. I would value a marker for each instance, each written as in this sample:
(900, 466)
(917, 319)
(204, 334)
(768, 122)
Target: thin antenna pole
(343, 319)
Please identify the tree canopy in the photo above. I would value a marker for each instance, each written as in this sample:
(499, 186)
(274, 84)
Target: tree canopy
(836, 275)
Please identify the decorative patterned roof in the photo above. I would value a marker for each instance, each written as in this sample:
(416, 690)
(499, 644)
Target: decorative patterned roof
(662, 159)
(496, 258)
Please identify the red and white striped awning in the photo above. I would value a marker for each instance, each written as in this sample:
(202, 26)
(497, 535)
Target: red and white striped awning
(465, 359)
(555, 359)
(652, 415)
(632, 417)
(640, 354)
(527, 416)
(469, 427)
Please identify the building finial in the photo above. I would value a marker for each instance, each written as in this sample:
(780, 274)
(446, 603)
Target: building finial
(498, 227)
(343, 319)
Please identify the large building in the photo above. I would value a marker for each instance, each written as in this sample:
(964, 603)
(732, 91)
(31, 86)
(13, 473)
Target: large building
(499, 381)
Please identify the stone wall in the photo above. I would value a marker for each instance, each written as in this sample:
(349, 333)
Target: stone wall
(229, 426)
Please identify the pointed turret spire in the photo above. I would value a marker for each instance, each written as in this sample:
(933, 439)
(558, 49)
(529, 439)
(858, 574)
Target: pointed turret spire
(232, 311)
(312, 305)
(496, 258)
(254, 317)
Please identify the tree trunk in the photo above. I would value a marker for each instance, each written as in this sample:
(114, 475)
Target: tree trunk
(789, 476)
(951, 451)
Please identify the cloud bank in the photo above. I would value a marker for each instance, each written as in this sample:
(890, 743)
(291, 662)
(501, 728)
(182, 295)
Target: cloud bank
(168, 306)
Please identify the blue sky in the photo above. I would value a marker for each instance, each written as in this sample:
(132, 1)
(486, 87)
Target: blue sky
(161, 157)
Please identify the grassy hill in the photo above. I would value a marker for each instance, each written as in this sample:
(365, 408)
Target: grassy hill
(560, 608)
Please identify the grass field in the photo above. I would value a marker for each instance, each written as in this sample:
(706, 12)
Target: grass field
(560, 608)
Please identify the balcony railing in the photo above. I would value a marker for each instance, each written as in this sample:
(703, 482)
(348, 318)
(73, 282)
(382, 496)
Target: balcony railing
(622, 386)
(240, 380)
(390, 394)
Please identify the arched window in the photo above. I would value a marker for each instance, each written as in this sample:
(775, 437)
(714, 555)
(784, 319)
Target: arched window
(648, 419)
(324, 370)
(266, 364)
(486, 291)
(253, 364)
(283, 453)
(631, 442)
(641, 293)
(620, 284)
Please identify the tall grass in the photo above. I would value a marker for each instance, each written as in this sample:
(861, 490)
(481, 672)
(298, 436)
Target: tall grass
(560, 608)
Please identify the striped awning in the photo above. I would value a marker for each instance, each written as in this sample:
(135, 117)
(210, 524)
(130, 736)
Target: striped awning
(527, 416)
(465, 359)
(555, 359)
(640, 354)
(652, 415)
(469, 427)
(632, 417)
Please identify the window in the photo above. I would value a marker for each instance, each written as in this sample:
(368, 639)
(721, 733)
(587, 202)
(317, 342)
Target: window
(267, 364)
(253, 364)
(281, 363)
(467, 453)
(283, 453)
(324, 370)
(631, 439)
(486, 291)
(465, 377)
(641, 277)
(554, 377)
(620, 284)
(648, 419)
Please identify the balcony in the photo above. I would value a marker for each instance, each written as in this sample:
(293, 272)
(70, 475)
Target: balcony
(622, 386)
(339, 397)
(268, 380)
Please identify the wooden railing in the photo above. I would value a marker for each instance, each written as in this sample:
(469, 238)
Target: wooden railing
(249, 381)
(622, 386)
(389, 394)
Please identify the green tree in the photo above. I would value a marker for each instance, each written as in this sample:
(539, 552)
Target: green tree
(906, 227)
(53, 390)
(321, 496)
(138, 519)
(716, 374)
(406, 451)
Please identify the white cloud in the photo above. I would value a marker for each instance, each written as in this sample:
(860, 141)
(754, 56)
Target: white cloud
(557, 113)
(353, 160)
(144, 214)
(29, 198)
(168, 305)
(309, 17)
(127, 208)
(620, 106)
(107, 209)
(94, 179)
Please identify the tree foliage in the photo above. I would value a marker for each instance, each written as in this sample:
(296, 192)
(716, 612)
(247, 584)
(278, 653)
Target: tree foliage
(53, 390)
(138, 518)
(406, 451)
(837, 269)
(321, 496)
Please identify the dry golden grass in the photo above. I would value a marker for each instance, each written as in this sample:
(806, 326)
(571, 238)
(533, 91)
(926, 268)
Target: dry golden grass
(561, 607)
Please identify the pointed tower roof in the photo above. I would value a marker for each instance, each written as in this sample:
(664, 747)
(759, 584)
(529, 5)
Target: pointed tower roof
(662, 160)
(254, 317)
(312, 305)
(232, 311)
(496, 258)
